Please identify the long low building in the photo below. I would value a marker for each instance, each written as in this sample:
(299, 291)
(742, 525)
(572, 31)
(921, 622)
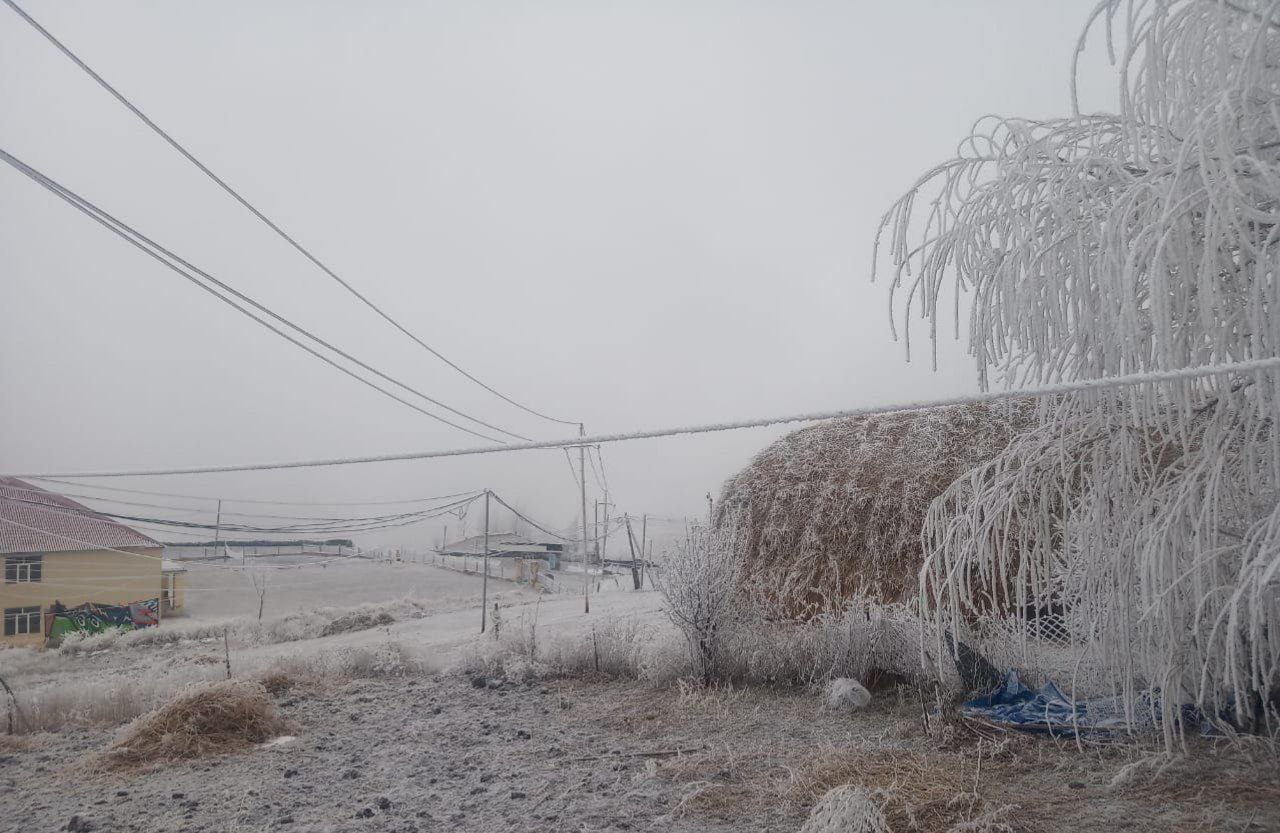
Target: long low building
(69, 568)
(507, 545)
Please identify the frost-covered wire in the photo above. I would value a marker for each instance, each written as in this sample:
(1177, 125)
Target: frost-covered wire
(1238, 368)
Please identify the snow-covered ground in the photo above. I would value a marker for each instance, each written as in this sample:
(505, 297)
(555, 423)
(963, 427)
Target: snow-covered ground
(418, 750)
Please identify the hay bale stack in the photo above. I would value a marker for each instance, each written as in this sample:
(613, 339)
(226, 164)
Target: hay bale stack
(210, 719)
(836, 509)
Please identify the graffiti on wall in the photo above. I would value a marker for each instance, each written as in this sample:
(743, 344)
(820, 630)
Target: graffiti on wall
(94, 618)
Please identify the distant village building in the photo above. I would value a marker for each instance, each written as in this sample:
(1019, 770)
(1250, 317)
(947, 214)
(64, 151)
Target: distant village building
(69, 568)
(508, 545)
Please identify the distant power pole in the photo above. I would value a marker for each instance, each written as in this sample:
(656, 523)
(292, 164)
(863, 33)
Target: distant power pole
(217, 529)
(710, 513)
(484, 592)
(582, 482)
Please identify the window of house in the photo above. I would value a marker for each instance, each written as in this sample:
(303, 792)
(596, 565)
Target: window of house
(22, 568)
(21, 620)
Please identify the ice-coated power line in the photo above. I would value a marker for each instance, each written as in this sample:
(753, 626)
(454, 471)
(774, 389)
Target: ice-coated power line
(221, 183)
(246, 500)
(1100, 383)
(354, 524)
(528, 520)
(179, 265)
(195, 510)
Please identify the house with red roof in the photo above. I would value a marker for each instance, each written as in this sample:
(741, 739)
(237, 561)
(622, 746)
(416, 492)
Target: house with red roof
(70, 568)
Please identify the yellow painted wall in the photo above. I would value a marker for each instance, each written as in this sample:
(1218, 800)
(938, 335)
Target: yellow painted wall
(74, 578)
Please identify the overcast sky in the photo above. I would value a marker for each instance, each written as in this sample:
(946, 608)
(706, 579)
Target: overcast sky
(630, 214)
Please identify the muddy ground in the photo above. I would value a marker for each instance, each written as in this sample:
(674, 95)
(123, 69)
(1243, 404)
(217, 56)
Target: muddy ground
(436, 753)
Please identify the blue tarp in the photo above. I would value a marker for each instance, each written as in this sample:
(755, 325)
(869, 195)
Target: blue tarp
(1047, 709)
(1013, 703)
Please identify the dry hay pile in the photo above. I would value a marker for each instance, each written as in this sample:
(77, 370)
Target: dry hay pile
(211, 719)
(836, 510)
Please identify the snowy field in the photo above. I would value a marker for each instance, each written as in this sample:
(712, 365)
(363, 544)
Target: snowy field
(400, 724)
(217, 590)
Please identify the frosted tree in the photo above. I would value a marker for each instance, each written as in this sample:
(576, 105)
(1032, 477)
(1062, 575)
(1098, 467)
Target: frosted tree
(1146, 518)
(700, 581)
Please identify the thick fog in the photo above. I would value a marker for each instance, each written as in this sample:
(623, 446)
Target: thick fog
(630, 215)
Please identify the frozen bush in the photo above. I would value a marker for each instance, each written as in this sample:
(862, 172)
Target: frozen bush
(611, 649)
(847, 809)
(700, 582)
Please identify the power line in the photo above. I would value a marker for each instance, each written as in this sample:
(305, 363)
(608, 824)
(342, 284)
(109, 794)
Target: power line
(601, 476)
(357, 525)
(198, 510)
(527, 520)
(160, 253)
(1101, 383)
(245, 500)
(244, 202)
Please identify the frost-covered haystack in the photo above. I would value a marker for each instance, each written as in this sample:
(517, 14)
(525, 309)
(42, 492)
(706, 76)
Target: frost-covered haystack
(1146, 518)
(834, 511)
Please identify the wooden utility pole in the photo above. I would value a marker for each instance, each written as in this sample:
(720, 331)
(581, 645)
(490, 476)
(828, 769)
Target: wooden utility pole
(582, 482)
(217, 530)
(604, 546)
(484, 592)
(631, 543)
(644, 533)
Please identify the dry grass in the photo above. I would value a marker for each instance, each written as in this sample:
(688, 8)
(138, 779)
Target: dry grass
(12, 744)
(214, 719)
(612, 649)
(836, 509)
(917, 789)
(1224, 772)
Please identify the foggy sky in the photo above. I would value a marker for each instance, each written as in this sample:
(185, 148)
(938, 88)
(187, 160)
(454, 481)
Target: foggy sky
(633, 215)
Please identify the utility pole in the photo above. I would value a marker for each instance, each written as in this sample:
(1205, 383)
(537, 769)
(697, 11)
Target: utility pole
(710, 513)
(217, 530)
(582, 482)
(631, 543)
(644, 534)
(484, 592)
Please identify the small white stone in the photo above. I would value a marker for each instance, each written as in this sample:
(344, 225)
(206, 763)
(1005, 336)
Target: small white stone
(846, 693)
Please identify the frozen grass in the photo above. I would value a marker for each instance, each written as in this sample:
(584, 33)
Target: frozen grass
(877, 645)
(210, 719)
(118, 699)
(611, 649)
(292, 627)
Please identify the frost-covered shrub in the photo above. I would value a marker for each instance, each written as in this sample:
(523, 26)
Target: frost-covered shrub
(612, 648)
(700, 581)
(847, 809)
(292, 627)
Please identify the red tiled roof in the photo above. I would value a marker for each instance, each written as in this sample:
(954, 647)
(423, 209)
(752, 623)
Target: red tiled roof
(36, 520)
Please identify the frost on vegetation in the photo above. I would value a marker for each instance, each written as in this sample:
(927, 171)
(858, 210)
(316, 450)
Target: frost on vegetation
(834, 511)
(1134, 530)
(729, 618)
(200, 721)
(611, 648)
(291, 627)
(847, 809)
(700, 581)
(119, 697)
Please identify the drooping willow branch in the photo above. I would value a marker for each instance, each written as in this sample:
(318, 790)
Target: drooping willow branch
(1103, 244)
